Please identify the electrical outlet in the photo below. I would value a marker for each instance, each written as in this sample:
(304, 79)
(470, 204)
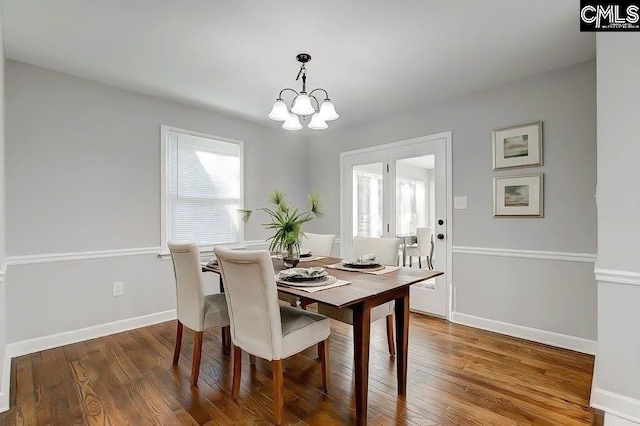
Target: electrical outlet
(460, 203)
(118, 289)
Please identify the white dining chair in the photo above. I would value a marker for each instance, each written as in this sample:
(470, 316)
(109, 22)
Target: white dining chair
(260, 326)
(386, 251)
(423, 248)
(319, 244)
(195, 310)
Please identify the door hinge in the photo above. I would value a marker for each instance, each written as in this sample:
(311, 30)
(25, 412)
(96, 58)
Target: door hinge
(387, 167)
(388, 229)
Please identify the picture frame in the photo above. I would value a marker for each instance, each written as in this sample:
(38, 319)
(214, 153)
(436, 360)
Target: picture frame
(518, 196)
(517, 146)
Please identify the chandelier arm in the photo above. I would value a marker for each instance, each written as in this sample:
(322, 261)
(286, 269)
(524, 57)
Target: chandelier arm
(284, 90)
(315, 99)
(326, 95)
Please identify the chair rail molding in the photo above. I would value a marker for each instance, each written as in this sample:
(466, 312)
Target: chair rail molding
(81, 255)
(32, 259)
(528, 254)
(617, 277)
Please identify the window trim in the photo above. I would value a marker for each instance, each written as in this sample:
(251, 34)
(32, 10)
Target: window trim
(164, 188)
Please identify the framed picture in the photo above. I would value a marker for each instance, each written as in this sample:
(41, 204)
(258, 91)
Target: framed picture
(518, 196)
(517, 146)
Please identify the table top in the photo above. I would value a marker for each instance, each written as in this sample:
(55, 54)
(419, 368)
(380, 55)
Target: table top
(363, 285)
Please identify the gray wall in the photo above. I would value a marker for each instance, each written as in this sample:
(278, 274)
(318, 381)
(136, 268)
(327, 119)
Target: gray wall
(618, 226)
(3, 310)
(87, 155)
(83, 174)
(565, 100)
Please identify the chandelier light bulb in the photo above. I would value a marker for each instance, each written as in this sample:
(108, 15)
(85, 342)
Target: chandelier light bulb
(317, 123)
(279, 112)
(302, 105)
(292, 123)
(328, 111)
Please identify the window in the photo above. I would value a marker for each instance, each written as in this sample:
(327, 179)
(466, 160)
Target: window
(202, 189)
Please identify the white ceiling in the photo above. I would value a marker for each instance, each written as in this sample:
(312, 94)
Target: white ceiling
(374, 57)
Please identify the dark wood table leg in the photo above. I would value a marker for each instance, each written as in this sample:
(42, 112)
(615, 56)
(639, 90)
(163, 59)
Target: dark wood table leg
(226, 340)
(402, 340)
(361, 340)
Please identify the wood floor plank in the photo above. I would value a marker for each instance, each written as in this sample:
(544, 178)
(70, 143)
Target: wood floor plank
(457, 375)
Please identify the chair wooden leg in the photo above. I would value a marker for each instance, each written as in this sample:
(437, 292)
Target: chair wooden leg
(237, 372)
(420, 262)
(390, 339)
(176, 350)
(197, 355)
(278, 388)
(410, 261)
(323, 351)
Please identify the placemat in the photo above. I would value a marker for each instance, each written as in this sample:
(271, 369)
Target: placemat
(337, 283)
(386, 269)
(312, 258)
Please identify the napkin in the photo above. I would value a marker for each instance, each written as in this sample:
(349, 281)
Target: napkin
(316, 271)
(365, 258)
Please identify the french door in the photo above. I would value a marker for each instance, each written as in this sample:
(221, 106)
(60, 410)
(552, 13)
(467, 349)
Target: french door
(392, 190)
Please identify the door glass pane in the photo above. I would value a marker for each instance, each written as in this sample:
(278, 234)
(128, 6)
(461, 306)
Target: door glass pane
(367, 200)
(415, 204)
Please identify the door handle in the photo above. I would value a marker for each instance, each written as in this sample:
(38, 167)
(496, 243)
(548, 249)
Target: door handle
(440, 236)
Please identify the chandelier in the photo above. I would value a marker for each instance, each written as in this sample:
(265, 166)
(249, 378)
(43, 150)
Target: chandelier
(302, 105)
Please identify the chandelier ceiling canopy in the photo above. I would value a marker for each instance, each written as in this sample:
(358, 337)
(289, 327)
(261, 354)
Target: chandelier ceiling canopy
(304, 104)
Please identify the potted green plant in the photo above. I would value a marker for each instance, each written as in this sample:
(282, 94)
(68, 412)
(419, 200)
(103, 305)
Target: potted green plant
(287, 223)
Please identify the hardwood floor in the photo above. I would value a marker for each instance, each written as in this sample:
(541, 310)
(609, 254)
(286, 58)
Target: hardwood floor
(456, 376)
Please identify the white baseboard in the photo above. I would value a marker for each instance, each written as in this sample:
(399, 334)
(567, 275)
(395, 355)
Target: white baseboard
(573, 343)
(6, 380)
(618, 405)
(38, 344)
(4, 402)
(612, 420)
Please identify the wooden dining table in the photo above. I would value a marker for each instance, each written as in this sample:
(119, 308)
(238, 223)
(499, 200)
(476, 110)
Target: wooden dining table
(364, 292)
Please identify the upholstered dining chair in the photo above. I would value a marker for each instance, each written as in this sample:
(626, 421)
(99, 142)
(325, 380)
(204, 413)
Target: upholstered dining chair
(195, 310)
(424, 247)
(386, 251)
(260, 325)
(319, 244)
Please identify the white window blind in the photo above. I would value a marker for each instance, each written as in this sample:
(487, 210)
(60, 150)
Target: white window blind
(204, 189)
